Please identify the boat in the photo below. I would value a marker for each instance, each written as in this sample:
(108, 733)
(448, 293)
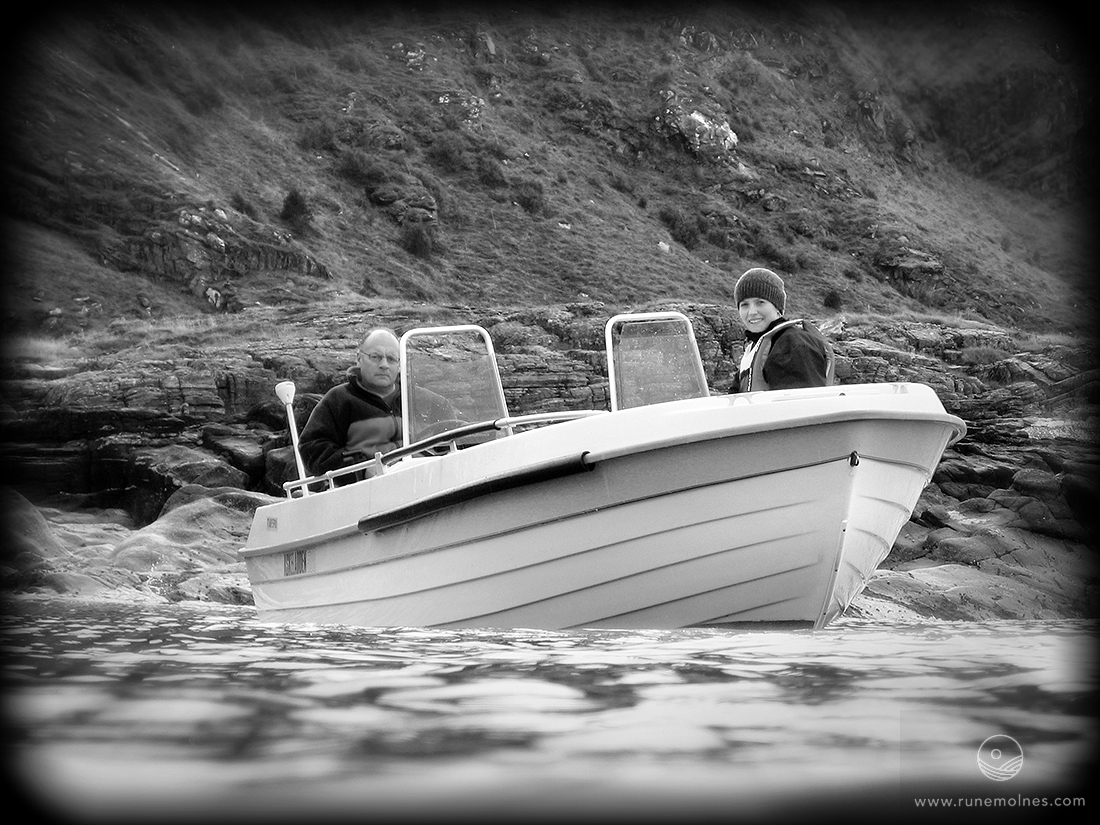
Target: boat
(673, 508)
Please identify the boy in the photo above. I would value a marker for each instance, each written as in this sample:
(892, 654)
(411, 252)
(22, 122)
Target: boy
(779, 354)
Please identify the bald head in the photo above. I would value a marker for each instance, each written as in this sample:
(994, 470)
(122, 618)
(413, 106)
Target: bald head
(379, 360)
(378, 335)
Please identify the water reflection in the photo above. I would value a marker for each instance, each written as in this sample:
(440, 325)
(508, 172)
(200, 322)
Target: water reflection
(191, 710)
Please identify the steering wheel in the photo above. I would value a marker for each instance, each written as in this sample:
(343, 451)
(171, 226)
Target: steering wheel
(440, 427)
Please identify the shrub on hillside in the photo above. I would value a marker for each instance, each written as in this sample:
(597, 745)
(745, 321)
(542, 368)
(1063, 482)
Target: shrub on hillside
(490, 172)
(684, 229)
(669, 215)
(319, 136)
(776, 254)
(238, 202)
(621, 184)
(448, 153)
(716, 236)
(357, 167)
(530, 196)
(296, 211)
(743, 130)
(417, 239)
(686, 235)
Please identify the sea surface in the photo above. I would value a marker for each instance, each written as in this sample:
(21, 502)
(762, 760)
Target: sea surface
(183, 712)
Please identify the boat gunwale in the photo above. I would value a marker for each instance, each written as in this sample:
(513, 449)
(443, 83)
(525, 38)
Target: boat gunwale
(782, 420)
(862, 412)
(740, 429)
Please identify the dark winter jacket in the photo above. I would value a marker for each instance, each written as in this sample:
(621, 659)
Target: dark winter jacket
(350, 424)
(787, 355)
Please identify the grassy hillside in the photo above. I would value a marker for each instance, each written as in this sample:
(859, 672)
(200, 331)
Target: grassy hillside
(484, 155)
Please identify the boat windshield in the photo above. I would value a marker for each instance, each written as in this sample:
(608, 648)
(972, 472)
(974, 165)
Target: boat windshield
(449, 378)
(651, 358)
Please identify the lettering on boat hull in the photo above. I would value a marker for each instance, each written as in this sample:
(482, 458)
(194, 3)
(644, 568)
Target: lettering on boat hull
(294, 563)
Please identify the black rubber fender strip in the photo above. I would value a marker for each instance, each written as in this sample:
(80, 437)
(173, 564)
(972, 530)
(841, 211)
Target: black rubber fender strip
(546, 471)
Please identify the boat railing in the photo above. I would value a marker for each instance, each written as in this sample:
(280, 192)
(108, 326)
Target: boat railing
(449, 440)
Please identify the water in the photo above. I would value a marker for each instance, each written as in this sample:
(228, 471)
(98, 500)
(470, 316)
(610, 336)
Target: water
(187, 711)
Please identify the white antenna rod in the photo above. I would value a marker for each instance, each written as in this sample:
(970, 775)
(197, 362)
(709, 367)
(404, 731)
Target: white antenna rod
(285, 391)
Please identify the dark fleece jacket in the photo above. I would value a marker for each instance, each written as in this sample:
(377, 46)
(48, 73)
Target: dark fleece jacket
(349, 424)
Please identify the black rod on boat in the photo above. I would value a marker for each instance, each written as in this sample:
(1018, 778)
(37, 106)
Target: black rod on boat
(285, 391)
(546, 471)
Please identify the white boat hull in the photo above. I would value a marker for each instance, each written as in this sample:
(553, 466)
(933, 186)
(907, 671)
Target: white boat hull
(760, 508)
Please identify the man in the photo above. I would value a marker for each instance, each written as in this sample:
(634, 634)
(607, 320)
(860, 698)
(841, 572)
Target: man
(362, 416)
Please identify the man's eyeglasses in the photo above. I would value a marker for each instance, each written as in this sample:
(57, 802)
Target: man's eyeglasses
(378, 358)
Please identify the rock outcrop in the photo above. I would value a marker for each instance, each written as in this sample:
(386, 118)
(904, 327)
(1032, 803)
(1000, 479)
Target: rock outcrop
(1009, 515)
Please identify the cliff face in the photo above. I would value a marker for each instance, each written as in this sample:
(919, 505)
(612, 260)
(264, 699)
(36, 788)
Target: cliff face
(124, 453)
(132, 425)
(200, 207)
(883, 157)
(1005, 89)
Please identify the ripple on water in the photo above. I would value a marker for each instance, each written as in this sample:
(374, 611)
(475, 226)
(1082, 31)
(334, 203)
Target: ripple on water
(182, 708)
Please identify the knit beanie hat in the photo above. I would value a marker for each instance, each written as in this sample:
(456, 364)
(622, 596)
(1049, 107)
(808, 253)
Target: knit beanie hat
(760, 283)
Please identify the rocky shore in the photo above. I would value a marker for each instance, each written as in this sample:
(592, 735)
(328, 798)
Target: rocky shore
(134, 476)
